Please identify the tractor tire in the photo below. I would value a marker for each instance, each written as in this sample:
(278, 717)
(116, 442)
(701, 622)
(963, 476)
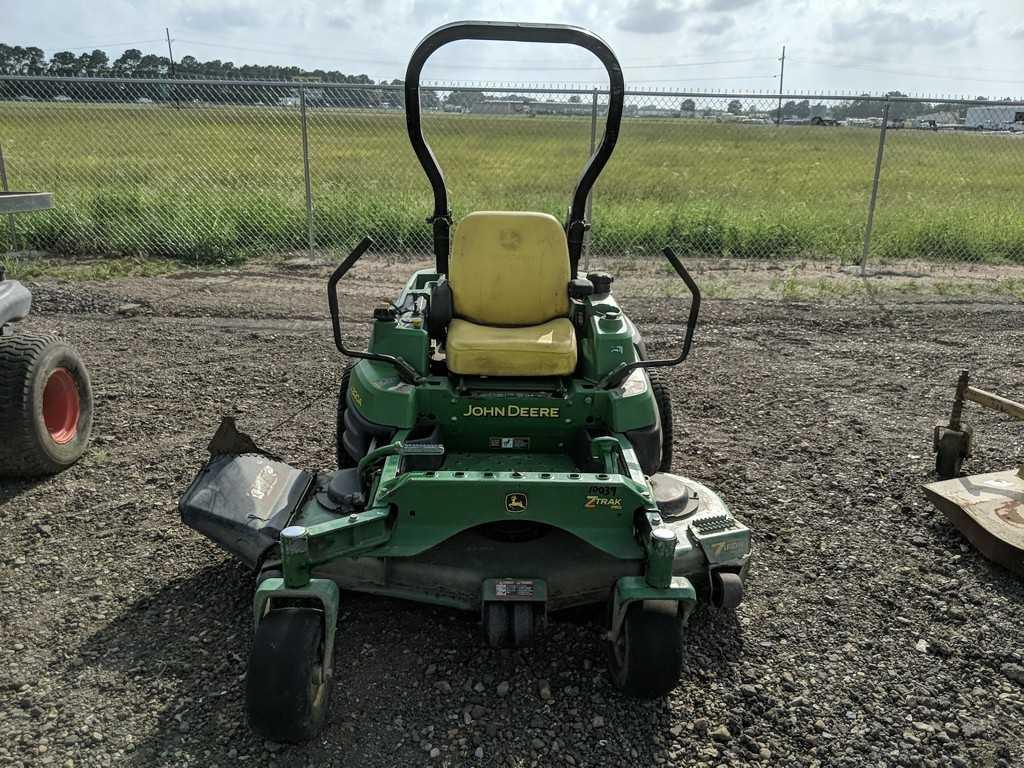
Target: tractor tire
(949, 458)
(45, 406)
(286, 692)
(344, 460)
(646, 660)
(664, 403)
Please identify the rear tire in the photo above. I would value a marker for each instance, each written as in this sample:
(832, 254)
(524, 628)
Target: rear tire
(646, 660)
(45, 406)
(344, 460)
(664, 403)
(286, 690)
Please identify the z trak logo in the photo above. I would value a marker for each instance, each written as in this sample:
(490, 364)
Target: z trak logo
(515, 502)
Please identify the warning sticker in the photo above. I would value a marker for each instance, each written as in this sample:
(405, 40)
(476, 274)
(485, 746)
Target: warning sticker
(512, 589)
(509, 443)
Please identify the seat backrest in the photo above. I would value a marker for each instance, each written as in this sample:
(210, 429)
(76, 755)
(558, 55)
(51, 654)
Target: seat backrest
(509, 268)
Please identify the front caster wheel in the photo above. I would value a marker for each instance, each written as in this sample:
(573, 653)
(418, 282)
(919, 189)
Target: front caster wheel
(646, 660)
(286, 688)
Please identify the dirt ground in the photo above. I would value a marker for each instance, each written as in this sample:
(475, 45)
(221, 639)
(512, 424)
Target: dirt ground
(871, 634)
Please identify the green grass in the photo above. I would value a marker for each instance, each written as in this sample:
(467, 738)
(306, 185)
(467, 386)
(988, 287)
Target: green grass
(106, 268)
(219, 184)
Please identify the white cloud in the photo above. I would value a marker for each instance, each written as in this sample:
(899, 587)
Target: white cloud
(943, 46)
(652, 17)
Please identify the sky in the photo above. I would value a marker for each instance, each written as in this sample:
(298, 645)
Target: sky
(929, 48)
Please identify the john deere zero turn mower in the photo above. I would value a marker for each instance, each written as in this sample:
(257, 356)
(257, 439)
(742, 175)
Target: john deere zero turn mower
(503, 447)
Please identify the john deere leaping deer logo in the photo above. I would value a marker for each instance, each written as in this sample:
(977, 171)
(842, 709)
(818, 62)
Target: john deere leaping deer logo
(510, 239)
(515, 502)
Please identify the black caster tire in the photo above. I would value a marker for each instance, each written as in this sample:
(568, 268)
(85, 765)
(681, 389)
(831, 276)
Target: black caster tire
(646, 660)
(497, 622)
(509, 625)
(522, 624)
(344, 460)
(949, 458)
(45, 406)
(664, 403)
(286, 692)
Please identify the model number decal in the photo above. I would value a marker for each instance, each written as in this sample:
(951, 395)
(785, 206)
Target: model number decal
(606, 496)
(611, 502)
(356, 397)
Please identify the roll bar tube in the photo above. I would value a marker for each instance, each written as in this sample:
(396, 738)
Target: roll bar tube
(576, 223)
(621, 371)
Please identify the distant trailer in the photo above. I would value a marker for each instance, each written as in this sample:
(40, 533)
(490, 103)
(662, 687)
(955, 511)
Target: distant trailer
(995, 117)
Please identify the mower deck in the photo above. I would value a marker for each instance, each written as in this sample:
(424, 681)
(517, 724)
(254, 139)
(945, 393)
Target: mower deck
(989, 511)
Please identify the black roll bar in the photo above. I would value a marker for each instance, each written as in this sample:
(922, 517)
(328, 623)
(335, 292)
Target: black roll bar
(621, 371)
(576, 223)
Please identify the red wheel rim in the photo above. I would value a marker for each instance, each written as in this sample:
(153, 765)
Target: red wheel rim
(61, 407)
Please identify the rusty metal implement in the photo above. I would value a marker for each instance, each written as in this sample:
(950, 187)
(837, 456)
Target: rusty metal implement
(987, 509)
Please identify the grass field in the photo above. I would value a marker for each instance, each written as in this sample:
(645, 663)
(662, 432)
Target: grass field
(215, 184)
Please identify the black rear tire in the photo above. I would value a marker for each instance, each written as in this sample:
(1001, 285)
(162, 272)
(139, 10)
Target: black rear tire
(286, 691)
(646, 661)
(664, 403)
(344, 460)
(42, 379)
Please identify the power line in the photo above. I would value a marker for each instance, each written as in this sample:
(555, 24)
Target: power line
(695, 79)
(498, 67)
(904, 73)
(360, 55)
(59, 48)
(846, 57)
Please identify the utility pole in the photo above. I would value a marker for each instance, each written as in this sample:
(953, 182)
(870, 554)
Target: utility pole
(782, 72)
(170, 53)
(170, 56)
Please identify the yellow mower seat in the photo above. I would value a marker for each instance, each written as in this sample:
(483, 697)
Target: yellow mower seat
(509, 277)
(548, 349)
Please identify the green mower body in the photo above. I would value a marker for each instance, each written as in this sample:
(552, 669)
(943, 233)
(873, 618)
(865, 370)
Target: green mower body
(489, 459)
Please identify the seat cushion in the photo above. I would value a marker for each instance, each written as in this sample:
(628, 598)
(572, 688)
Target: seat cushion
(509, 268)
(548, 349)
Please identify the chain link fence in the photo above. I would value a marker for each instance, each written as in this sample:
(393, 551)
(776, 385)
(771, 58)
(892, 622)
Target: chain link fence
(220, 170)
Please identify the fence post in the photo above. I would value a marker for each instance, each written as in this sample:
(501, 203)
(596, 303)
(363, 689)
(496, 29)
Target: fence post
(874, 190)
(13, 245)
(311, 244)
(590, 195)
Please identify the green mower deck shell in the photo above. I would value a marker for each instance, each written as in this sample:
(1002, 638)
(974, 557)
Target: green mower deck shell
(371, 550)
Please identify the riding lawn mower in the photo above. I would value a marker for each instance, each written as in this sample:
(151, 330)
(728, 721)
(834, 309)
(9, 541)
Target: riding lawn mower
(503, 447)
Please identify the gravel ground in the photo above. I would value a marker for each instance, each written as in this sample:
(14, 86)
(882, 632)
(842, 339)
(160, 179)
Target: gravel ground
(872, 634)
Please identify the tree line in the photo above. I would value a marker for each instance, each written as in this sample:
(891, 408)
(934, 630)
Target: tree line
(132, 63)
